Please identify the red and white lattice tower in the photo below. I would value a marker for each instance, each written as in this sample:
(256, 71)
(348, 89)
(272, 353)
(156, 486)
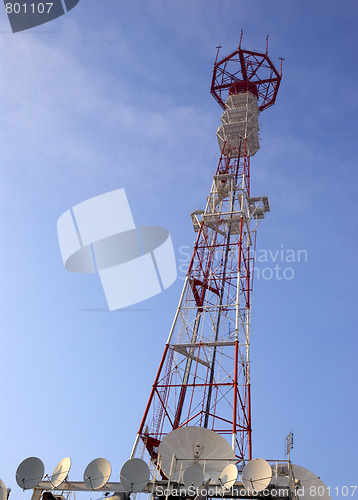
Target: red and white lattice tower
(204, 375)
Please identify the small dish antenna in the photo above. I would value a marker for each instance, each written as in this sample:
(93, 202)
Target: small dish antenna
(194, 446)
(97, 474)
(60, 473)
(29, 473)
(134, 475)
(309, 483)
(228, 476)
(256, 475)
(3, 491)
(193, 476)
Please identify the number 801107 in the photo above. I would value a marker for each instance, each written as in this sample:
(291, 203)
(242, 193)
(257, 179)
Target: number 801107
(17, 8)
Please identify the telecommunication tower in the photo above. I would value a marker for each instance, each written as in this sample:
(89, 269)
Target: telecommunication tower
(196, 426)
(203, 378)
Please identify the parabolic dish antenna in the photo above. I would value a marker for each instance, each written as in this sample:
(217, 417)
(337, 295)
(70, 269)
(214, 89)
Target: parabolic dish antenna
(193, 476)
(97, 474)
(228, 476)
(134, 475)
(256, 475)
(194, 446)
(60, 473)
(29, 473)
(3, 491)
(310, 486)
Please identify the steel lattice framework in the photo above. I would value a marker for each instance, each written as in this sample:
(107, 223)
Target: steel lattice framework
(204, 375)
(245, 66)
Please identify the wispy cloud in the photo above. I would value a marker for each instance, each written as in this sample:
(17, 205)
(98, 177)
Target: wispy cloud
(67, 119)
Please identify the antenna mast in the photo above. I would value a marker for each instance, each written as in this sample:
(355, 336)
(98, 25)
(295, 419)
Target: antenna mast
(289, 445)
(204, 375)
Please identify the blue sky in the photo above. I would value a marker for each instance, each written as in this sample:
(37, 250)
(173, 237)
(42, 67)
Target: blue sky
(116, 94)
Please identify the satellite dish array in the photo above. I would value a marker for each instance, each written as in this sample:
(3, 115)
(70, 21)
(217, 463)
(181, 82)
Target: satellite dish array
(195, 446)
(203, 453)
(134, 474)
(256, 476)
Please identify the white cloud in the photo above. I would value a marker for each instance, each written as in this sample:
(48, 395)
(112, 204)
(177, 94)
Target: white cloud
(66, 118)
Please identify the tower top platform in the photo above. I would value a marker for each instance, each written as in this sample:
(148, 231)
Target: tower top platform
(245, 71)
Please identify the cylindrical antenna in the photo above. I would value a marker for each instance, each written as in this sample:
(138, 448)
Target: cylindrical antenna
(281, 59)
(240, 39)
(217, 53)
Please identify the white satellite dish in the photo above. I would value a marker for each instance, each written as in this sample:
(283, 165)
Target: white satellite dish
(97, 474)
(194, 446)
(193, 476)
(60, 473)
(134, 475)
(256, 475)
(228, 476)
(3, 491)
(310, 486)
(29, 473)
